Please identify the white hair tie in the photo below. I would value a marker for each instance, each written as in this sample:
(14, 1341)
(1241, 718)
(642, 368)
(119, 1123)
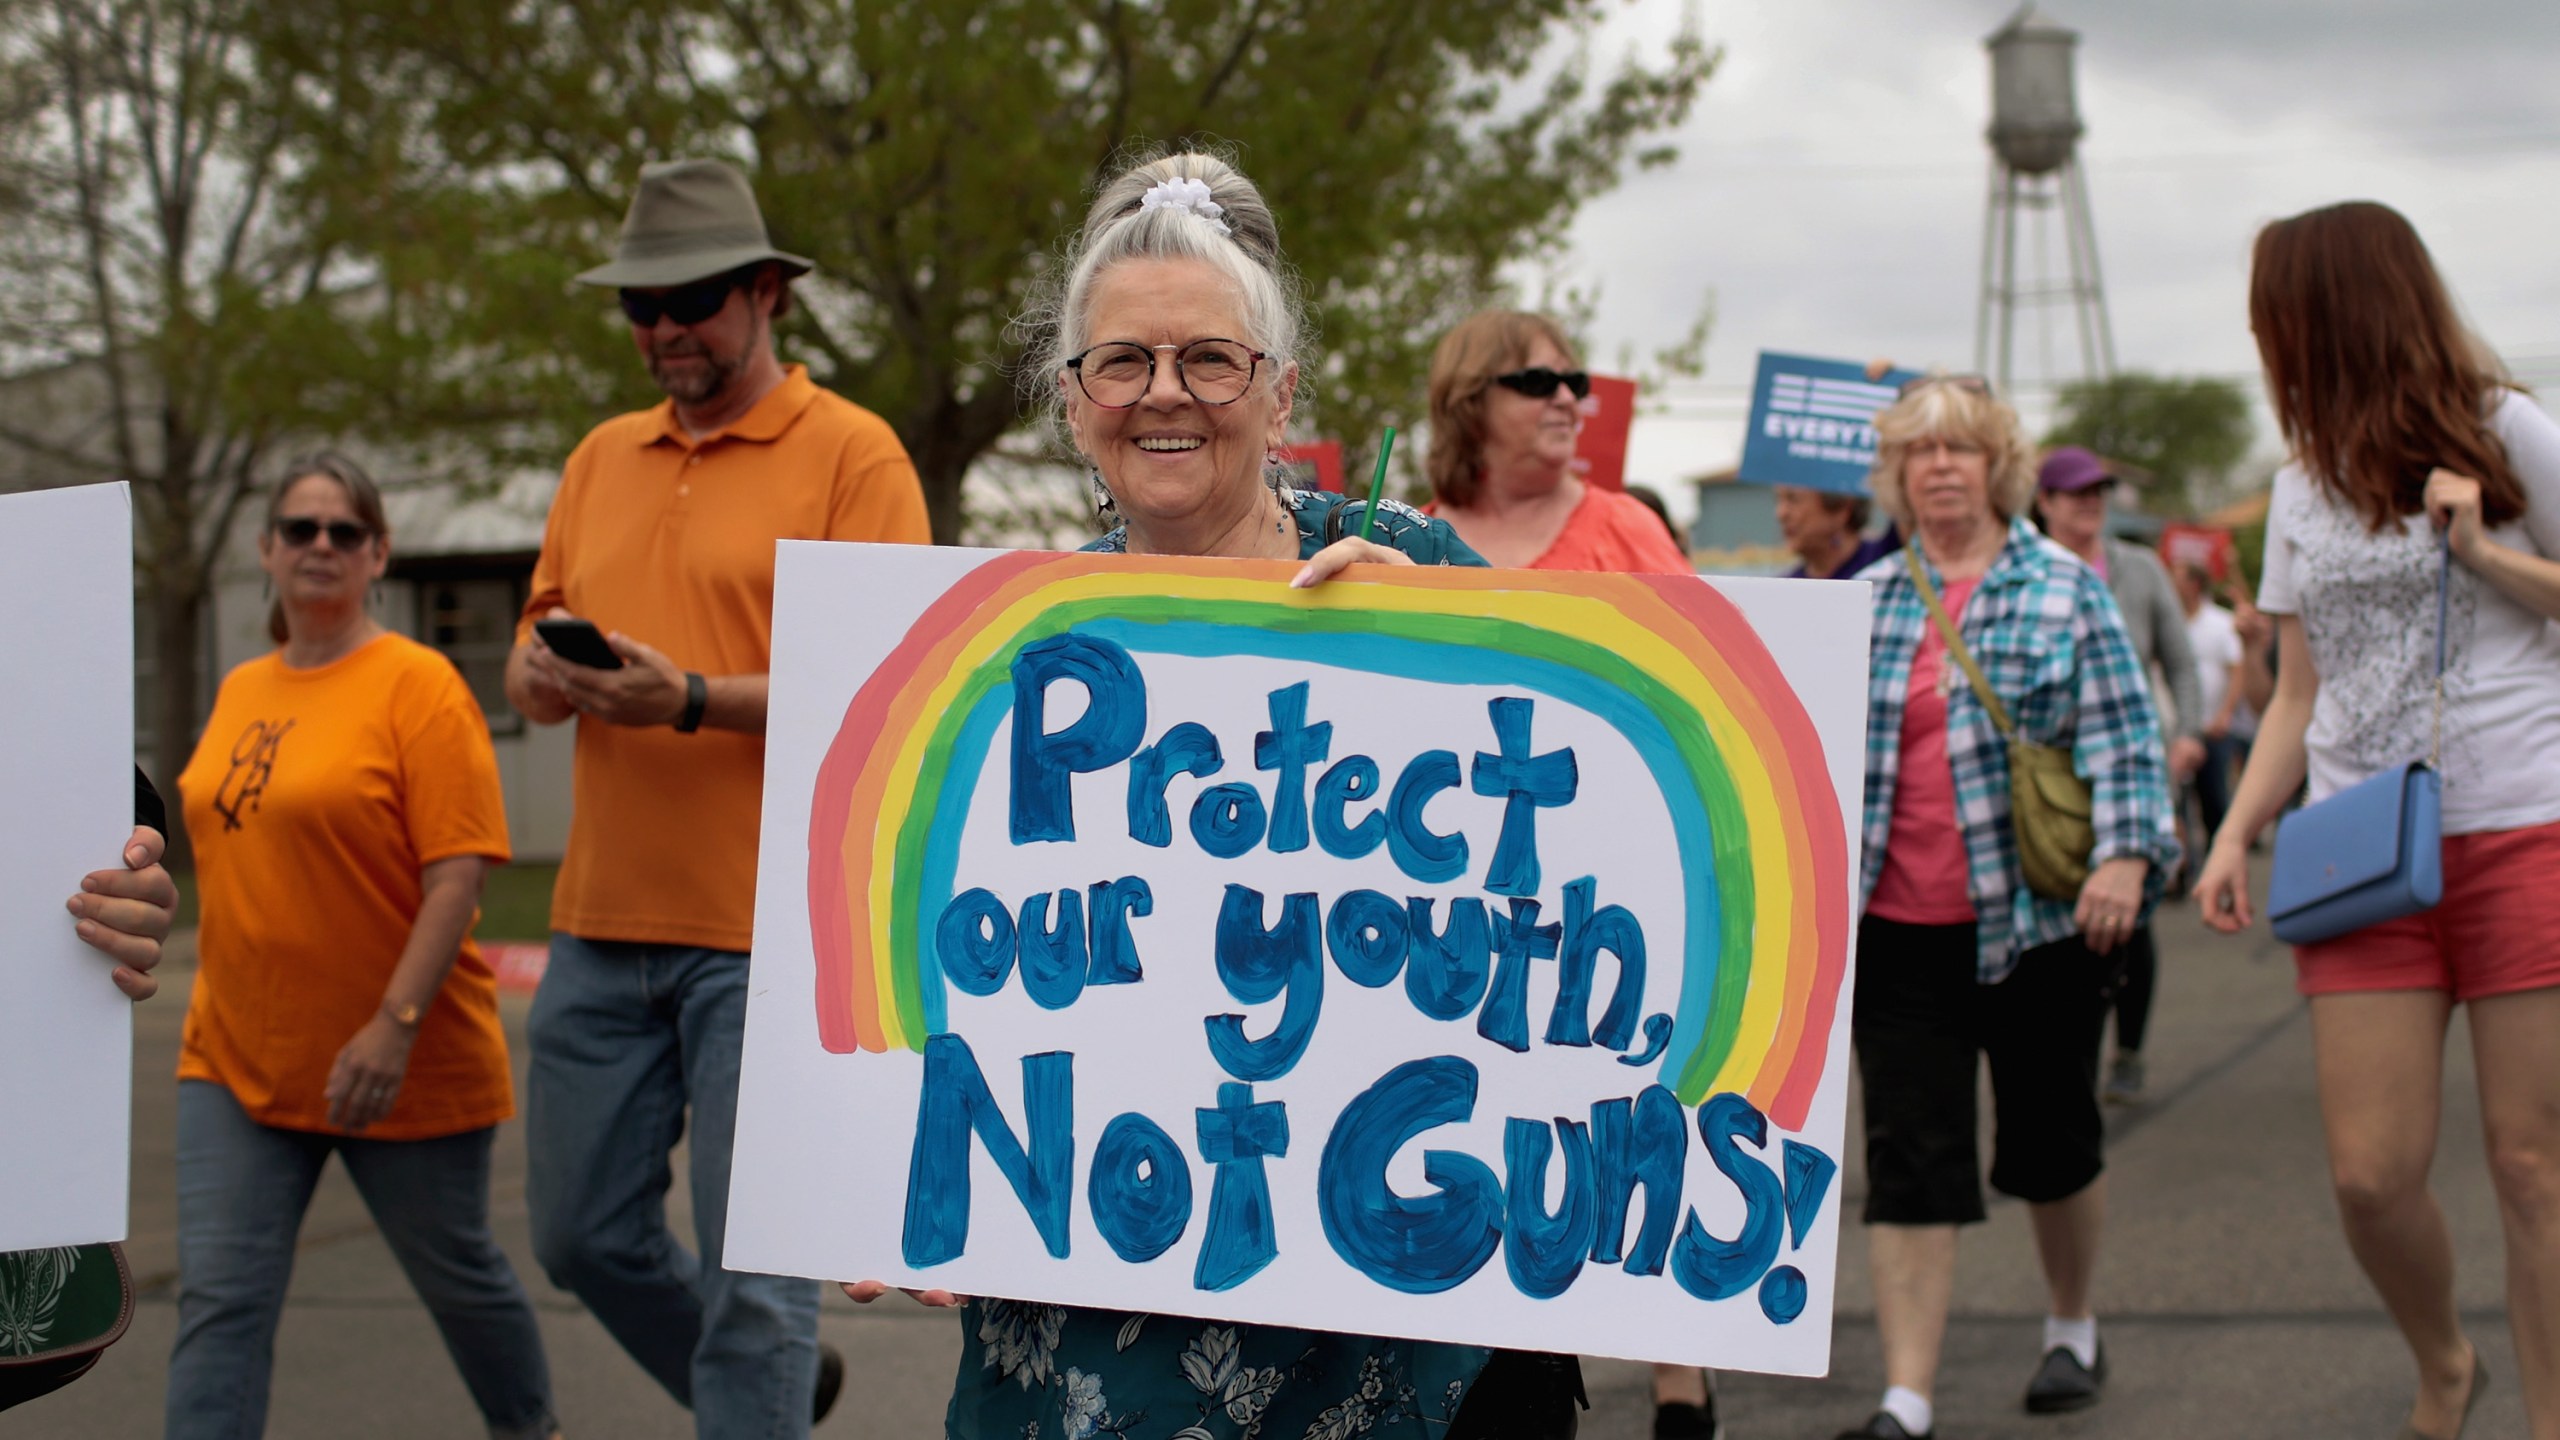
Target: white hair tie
(1187, 195)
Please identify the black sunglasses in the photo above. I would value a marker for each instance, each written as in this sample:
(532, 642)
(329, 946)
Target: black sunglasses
(685, 304)
(300, 530)
(1538, 382)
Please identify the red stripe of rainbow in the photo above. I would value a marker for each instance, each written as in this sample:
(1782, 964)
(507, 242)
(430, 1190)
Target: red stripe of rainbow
(1756, 780)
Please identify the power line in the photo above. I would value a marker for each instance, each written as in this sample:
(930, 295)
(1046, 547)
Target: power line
(2104, 162)
(2524, 365)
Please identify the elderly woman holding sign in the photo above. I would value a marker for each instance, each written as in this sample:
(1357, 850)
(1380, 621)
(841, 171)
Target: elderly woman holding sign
(2017, 821)
(1175, 350)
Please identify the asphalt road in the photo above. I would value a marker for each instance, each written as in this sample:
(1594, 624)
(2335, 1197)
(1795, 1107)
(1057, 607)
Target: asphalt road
(2229, 1304)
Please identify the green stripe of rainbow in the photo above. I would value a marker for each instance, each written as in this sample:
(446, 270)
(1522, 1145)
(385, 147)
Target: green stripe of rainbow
(1739, 761)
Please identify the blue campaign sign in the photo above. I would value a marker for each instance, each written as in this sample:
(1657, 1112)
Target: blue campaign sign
(1813, 422)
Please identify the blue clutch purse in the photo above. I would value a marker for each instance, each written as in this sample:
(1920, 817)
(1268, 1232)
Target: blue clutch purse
(2372, 852)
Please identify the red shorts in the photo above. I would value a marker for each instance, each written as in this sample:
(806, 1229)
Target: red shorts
(2497, 931)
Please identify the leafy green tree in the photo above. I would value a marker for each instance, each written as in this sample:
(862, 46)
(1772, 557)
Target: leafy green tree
(239, 227)
(170, 310)
(2187, 432)
(932, 154)
(221, 251)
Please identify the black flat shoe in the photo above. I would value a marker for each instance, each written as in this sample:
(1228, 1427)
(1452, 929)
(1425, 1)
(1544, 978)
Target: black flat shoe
(2063, 1384)
(1679, 1420)
(830, 1382)
(1882, 1426)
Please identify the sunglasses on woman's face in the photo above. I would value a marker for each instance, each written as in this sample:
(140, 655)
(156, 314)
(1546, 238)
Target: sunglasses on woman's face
(300, 530)
(1538, 382)
(685, 304)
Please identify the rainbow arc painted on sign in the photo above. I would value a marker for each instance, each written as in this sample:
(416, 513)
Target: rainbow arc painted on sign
(1667, 661)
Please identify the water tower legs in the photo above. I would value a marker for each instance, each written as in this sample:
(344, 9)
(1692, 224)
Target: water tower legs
(2097, 339)
(2059, 192)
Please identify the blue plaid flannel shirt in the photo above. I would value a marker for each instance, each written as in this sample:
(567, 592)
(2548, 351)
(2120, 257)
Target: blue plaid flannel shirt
(2050, 640)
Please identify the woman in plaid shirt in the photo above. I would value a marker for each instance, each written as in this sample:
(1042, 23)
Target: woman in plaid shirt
(1957, 960)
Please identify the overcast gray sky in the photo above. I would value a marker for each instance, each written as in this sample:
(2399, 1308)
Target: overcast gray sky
(1831, 181)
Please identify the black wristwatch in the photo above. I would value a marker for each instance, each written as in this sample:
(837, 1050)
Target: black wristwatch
(697, 698)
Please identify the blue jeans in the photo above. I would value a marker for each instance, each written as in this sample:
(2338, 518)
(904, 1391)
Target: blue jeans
(624, 1037)
(242, 1188)
(2216, 780)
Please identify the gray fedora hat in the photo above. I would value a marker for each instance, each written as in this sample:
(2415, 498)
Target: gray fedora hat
(692, 219)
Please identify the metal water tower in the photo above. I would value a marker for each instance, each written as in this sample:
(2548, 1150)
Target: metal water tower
(2035, 172)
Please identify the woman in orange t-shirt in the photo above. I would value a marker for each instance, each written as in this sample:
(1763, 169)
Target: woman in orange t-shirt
(344, 805)
(1506, 407)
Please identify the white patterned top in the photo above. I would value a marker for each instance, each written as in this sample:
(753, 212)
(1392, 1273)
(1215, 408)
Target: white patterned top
(2368, 608)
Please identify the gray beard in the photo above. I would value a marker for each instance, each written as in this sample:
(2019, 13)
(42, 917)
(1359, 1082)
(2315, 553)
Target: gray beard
(693, 387)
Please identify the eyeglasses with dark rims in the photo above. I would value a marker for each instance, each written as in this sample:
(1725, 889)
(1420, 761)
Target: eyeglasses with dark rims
(1116, 373)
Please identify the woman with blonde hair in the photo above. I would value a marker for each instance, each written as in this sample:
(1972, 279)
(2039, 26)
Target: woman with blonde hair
(1506, 408)
(1959, 960)
(2413, 569)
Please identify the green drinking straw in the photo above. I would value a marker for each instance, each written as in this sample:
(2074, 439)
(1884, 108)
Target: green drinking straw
(1378, 486)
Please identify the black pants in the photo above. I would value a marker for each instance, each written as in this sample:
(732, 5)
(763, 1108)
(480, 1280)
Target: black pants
(1924, 1026)
(21, 1383)
(1523, 1395)
(2140, 977)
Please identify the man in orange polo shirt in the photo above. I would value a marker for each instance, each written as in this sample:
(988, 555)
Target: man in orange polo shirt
(662, 534)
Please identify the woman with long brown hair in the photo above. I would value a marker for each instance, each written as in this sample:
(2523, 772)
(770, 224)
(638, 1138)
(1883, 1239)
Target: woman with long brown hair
(2406, 439)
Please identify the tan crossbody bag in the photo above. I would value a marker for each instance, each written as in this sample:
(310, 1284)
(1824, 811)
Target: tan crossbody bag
(2049, 807)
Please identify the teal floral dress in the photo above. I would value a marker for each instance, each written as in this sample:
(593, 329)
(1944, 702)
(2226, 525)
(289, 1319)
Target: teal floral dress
(1058, 1372)
(1062, 1372)
(1324, 517)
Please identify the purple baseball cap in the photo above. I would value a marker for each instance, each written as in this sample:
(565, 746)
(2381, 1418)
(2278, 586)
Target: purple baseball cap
(2071, 468)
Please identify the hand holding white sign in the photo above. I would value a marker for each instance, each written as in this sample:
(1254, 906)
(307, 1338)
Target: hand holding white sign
(1185, 943)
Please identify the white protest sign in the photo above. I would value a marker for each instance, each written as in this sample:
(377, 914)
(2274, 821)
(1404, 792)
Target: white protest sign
(66, 1032)
(1448, 953)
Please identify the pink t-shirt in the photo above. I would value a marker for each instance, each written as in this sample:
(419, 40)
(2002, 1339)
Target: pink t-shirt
(1610, 531)
(1614, 531)
(1926, 879)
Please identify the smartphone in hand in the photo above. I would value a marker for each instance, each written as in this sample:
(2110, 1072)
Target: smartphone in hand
(577, 641)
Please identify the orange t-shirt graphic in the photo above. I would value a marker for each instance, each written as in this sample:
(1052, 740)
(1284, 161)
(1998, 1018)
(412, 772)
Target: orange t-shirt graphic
(314, 800)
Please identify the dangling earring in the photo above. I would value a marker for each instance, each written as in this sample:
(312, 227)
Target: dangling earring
(1105, 509)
